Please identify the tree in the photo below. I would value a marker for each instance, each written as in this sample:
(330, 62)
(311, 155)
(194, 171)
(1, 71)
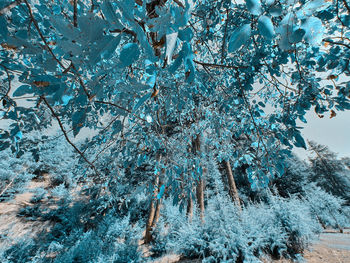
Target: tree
(148, 77)
(329, 172)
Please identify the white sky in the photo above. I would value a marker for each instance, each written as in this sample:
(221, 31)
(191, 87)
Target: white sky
(334, 133)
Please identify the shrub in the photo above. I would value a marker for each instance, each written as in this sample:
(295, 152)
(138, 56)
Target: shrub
(326, 208)
(281, 227)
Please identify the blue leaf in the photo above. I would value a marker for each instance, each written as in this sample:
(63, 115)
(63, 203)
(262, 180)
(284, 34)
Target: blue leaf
(265, 27)
(129, 54)
(239, 37)
(299, 140)
(161, 192)
(111, 47)
(186, 34)
(142, 100)
(313, 30)
(297, 35)
(275, 10)
(110, 14)
(3, 29)
(78, 119)
(22, 90)
(254, 6)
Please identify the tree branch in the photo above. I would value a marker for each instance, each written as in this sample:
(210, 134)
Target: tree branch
(75, 12)
(346, 5)
(124, 30)
(224, 41)
(65, 134)
(36, 25)
(336, 43)
(119, 107)
(217, 65)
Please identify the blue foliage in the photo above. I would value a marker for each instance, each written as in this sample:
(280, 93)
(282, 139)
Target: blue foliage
(282, 227)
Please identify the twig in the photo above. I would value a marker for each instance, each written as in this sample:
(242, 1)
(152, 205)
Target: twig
(75, 18)
(119, 107)
(217, 65)
(337, 43)
(346, 6)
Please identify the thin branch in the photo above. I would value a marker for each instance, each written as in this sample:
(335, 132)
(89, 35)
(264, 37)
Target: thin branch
(181, 5)
(346, 5)
(337, 43)
(124, 30)
(36, 25)
(75, 12)
(10, 6)
(81, 82)
(65, 134)
(217, 65)
(119, 107)
(8, 186)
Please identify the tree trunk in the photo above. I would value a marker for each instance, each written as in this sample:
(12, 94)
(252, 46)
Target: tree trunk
(200, 197)
(196, 148)
(189, 211)
(151, 214)
(232, 185)
(156, 213)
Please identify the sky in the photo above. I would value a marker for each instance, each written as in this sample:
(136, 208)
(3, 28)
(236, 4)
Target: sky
(334, 133)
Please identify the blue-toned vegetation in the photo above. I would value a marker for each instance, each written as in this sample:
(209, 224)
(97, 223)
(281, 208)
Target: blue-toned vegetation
(130, 129)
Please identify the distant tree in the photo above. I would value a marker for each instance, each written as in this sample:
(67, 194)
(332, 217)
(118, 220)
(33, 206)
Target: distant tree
(295, 177)
(329, 172)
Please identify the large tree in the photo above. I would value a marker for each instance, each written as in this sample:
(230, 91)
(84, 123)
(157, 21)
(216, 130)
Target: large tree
(169, 84)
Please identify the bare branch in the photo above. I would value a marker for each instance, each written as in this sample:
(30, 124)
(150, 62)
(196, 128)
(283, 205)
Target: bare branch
(179, 3)
(75, 12)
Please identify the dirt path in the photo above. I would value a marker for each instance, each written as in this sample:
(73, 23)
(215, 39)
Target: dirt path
(331, 248)
(11, 226)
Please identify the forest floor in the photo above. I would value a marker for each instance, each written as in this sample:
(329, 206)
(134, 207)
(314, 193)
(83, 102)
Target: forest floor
(332, 246)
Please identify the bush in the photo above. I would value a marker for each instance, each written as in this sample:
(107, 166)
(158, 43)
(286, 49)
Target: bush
(281, 227)
(326, 208)
(115, 240)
